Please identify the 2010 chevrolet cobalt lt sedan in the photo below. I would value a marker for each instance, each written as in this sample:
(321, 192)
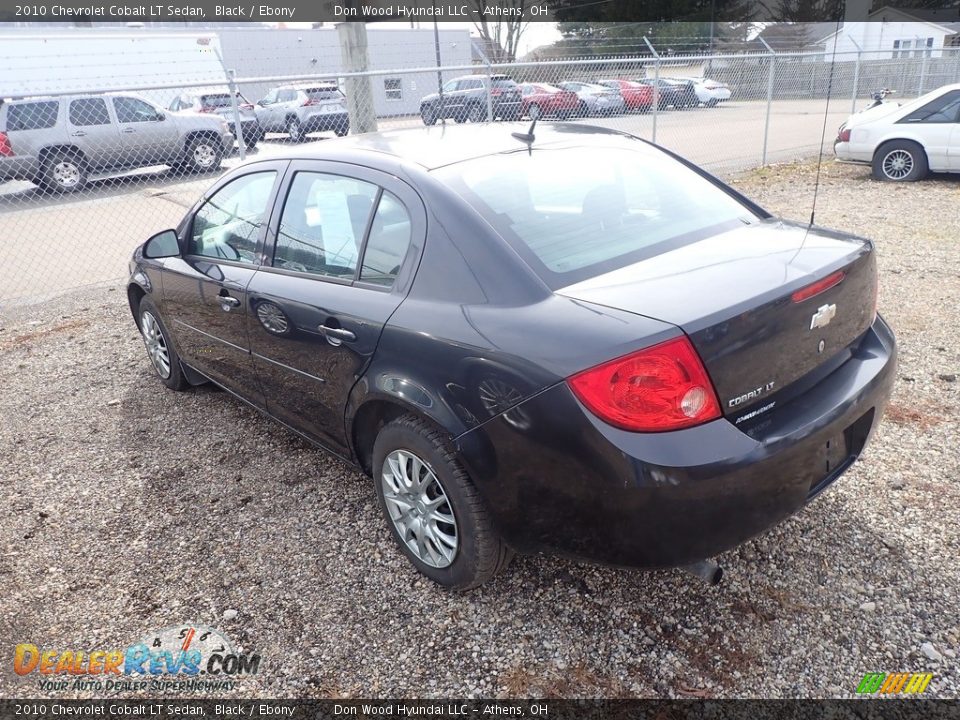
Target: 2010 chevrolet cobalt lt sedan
(563, 339)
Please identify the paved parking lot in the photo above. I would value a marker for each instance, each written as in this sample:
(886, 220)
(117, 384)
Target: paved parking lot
(90, 235)
(125, 507)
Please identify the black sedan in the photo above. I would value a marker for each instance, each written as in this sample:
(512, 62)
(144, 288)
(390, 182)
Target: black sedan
(631, 363)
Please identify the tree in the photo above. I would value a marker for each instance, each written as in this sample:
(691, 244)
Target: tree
(501, 32)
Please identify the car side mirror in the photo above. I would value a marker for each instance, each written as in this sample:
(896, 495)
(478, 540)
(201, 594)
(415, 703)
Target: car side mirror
(162, 245)
(161, 116)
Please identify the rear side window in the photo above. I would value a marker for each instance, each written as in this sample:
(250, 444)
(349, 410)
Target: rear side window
(324, 93)
(323, 223)
(217, 101)
(388, 242)
(943, 109)
(504, 83)
(33, 116)
(617, 207)
(89, 111)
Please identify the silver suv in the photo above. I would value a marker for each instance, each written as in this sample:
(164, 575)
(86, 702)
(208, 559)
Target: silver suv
(298, 110)
(59, 142)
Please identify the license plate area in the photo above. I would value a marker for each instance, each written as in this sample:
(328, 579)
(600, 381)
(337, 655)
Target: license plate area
(840, 451)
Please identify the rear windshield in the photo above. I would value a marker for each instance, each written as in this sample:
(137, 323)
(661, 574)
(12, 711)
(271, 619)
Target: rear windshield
(503, 83)
(220, 100)
(324, 93)
(573, 213)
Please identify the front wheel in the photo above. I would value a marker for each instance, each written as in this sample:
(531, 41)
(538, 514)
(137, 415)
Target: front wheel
(900, 161)
(160, 350)
(428, 115)
(64, 172)
(294, 130)
(435, 513)
(534, 112)
(477, 113)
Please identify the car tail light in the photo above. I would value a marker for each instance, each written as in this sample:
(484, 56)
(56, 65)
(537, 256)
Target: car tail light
(246, 106)
(844, 135)
(207, 108)
(310, 101)
(5, 149)
(664, 387)
(496, 92)
(831, 280)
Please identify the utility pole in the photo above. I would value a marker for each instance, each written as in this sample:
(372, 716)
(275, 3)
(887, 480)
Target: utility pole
(355, 59)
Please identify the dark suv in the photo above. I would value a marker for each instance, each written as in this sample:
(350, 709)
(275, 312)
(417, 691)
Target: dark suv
(465, 98)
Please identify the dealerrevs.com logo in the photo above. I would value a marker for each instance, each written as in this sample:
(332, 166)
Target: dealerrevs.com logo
(894, 683)
(185, 657)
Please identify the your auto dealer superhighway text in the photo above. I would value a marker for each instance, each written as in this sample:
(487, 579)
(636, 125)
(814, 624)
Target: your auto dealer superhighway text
(167, 11)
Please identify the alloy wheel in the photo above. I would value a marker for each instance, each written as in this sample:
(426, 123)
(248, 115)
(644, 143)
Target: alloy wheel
(204, 156)
(897, 164)
(419, 509)
(156, 344)
(66, 174)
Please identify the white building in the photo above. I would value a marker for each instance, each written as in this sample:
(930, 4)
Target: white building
(891, 34)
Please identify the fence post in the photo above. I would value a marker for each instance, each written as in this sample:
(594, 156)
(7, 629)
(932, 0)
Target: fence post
(856, 77)
(923, 73)
(956, 75)
(656, 88)
(490, 93)
(237, 125)
(766, 124)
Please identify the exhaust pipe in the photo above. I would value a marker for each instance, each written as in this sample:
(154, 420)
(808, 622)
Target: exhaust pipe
(706, 570)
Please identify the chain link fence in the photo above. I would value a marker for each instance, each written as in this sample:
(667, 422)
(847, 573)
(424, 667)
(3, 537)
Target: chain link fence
(103, 144)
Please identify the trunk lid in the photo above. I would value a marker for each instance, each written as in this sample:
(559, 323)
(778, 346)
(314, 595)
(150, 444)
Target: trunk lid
(732, 294)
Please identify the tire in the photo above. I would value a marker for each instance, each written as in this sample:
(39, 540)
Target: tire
(428, 115)
(204, 154)
(294, 130)
(711, 103)
(64, 172)
(534, 112)
(163, 356)
(583, 110)
(477, 113)
(900, 161)
(341, 130)
(478, 551)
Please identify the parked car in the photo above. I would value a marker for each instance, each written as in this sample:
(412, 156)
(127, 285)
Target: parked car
(219, 103)
(465, 98)
(904, 142)
(542, 100)
(595, 99)
(629, 363)
(709, 92)
(58, 142)
(636, 96)
(671, 93)
(687, 93)
(298, 111)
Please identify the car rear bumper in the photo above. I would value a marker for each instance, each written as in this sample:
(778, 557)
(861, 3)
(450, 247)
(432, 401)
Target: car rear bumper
(556, 478)
(322, 122)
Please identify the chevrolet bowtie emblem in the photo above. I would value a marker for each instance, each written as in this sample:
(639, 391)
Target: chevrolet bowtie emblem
(823, 316)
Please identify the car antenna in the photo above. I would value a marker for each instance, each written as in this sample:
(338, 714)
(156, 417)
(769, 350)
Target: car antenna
(528, 137)
(823, 130)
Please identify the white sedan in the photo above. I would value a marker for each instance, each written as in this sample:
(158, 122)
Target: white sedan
(709, 92)
(903, 142)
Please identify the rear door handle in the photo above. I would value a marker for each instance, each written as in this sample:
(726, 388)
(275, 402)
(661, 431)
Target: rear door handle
(129, 130)
(79, 133)
(335, 336)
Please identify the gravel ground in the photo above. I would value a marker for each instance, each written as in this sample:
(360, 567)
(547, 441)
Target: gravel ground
(122, 512)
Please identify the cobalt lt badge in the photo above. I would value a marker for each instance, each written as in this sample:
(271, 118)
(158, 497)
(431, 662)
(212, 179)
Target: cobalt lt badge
(823, 316)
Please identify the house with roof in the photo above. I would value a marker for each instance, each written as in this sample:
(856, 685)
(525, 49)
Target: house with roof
(894, 33)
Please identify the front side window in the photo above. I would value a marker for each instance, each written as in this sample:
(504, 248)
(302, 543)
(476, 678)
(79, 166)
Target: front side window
(450, 86)
(270, 98)
(33, 116)
(134, 110)
(619, 207)
(229, 224)
(323, 223)
(287, 95)
(89, 111)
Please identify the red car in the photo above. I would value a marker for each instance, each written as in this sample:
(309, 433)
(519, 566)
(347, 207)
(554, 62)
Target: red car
(540, 99)
(636, 96)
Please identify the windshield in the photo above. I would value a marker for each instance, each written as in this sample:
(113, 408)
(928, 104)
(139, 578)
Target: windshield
(573, 213)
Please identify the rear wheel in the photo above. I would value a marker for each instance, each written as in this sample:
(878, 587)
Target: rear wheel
(477, 113)
(160, 350)
(204, 154)
(435, 513)
(64, 172)
(534, 112)
(900, 161)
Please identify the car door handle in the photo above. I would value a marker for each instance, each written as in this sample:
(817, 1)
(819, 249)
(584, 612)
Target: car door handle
(227, 302)
(129, 130)
(337, 335)
(79, 133)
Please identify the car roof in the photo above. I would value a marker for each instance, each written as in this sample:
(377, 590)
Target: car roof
(446, 144)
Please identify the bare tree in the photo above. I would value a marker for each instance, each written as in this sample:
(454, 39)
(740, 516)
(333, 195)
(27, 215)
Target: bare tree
(501, 26)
